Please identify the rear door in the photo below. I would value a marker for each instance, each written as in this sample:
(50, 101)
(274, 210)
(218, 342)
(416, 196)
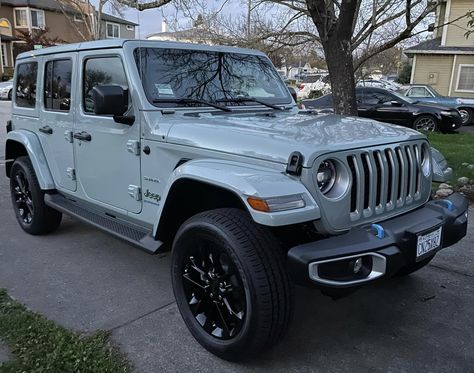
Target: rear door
(57, 117)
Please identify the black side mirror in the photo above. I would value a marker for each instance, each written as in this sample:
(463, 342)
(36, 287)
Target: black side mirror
(396, 103)
(109, 100)
(293, 93)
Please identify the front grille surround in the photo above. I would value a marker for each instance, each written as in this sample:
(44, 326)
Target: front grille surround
(385, 181)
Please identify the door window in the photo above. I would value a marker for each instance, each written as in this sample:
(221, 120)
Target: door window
(418, 92)
(377, 98)
(26, 84)
(57, 85)
(100, 71)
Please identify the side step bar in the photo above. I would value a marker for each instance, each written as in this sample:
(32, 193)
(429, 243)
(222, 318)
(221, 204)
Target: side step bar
(134, 235)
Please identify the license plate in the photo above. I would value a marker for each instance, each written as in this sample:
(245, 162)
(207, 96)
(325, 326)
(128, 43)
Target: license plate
(428, 242)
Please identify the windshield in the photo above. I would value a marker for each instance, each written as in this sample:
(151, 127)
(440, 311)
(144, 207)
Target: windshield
(434, 91)
(169, 74)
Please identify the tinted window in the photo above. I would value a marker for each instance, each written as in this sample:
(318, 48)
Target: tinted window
(377, 98)
(100, 71)
(26, 84)
(57, 85)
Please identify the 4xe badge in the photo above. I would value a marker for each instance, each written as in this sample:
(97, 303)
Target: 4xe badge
(151, 195)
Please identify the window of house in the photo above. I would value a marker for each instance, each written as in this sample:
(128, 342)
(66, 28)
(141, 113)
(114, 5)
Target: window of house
(466, 78)
(26, 84)
(101, 71)
(57, 85)
(21, 17)
(113, 30)
(37, 18)
(4, 55)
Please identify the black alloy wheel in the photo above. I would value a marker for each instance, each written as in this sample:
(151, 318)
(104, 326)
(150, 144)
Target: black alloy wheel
(33, 215)
(230, 283)
(22, 196)
(214, 289)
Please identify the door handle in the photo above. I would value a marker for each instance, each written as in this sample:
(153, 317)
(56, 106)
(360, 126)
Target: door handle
(84, 136)
(46, 129)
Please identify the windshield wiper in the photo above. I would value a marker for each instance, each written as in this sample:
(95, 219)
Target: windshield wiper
(250, 99)
(187, 101)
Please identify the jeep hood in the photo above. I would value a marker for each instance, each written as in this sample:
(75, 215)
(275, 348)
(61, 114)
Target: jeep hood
(275, 137)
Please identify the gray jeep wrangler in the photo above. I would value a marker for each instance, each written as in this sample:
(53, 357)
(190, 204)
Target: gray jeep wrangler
(202, 150)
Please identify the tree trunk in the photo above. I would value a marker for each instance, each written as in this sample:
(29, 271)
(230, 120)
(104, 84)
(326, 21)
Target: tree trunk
(341, 73)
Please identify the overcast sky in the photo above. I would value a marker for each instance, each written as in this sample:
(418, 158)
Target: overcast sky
(150, 20)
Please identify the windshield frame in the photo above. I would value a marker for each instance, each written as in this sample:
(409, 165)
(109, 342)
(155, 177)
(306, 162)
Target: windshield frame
(283, 101)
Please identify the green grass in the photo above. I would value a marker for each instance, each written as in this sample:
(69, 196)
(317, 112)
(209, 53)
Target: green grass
(457, 148)
(39, 345)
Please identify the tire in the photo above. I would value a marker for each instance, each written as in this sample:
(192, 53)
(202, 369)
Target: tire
(413, 267)
(255, 309)
(10, 95)
(33, 215)
(467, 116)
(426, 123)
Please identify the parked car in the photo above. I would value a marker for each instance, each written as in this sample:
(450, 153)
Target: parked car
(392, 107)
(313, 83)
(201, 149)
(426, 93)
(378, 83)
(6, 90)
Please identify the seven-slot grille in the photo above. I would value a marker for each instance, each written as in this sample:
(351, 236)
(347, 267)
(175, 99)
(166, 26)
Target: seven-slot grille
(385, 179)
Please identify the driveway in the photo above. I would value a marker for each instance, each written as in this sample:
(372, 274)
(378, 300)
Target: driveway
(87, 280)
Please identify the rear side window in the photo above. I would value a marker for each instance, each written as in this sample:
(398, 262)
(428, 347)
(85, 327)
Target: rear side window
(101, 71)
(57, 85)
(26, 84)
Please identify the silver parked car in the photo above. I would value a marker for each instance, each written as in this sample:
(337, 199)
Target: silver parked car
(202, 149)
(6, 90)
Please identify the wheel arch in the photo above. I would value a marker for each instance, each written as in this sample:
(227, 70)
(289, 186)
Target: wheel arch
(25, 143)
(206, 184)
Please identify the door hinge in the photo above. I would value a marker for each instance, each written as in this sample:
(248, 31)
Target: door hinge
(68, 136)
(133, 146)
(135, 192)
(71, 173)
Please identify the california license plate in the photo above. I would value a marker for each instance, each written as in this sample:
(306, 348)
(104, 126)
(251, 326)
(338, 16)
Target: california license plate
(428, 242)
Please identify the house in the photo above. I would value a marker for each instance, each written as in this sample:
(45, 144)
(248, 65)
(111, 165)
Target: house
(447, 60)
(196, 35)
(66, 24)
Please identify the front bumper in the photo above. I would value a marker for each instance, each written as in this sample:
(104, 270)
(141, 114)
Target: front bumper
(386, 247)
(450, 123)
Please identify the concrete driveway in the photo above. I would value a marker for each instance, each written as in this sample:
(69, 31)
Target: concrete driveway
(87, 280)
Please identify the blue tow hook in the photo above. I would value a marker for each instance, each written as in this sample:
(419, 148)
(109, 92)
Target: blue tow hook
(380, 231)
(449, 204)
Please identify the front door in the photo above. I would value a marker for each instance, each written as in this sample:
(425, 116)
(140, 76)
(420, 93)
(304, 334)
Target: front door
(57, 118)
(108, 167)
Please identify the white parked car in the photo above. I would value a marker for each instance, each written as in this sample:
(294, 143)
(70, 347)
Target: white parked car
(6, 90)
(311, 83)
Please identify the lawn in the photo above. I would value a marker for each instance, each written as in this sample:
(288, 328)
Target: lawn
(458, 148)
(39, 345)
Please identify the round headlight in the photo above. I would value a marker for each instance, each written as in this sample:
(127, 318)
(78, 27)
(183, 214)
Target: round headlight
(326, 176)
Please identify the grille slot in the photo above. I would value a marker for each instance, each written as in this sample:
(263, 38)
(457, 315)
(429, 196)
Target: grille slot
(384, 179)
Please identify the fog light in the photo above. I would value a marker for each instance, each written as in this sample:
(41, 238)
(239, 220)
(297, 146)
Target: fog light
(357, 265)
